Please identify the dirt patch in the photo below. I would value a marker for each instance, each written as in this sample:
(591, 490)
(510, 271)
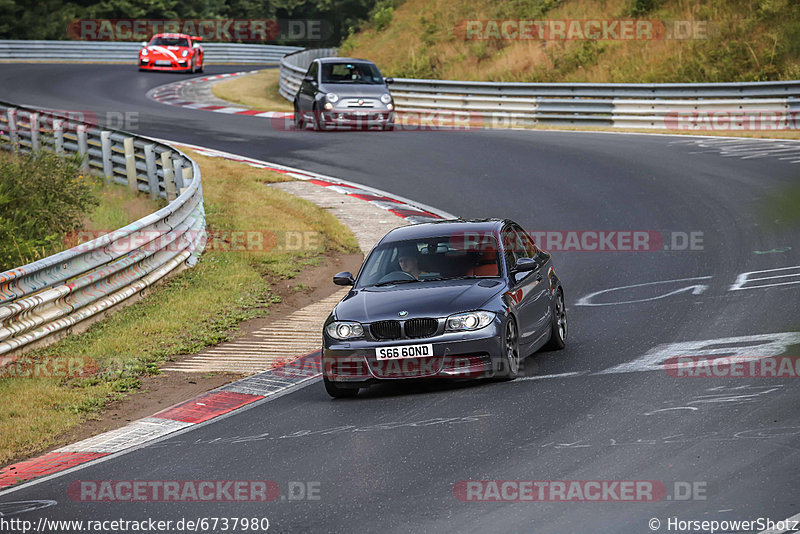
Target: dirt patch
(171, 387)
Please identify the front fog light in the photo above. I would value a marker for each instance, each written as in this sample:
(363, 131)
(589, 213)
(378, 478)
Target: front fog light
(390, 107)
(328, 106)
(469, 321)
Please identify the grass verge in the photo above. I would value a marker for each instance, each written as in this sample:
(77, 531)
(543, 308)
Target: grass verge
(742, 40)
(196, 308)
(256, 91)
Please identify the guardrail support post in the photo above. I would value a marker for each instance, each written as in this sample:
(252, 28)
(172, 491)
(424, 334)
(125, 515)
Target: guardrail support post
(169, 182)
(34, 126)
(12, 129)
(152, 171)
(58, 136)
(83, 147)
(177, 171)
(105, 145)
(130, 164)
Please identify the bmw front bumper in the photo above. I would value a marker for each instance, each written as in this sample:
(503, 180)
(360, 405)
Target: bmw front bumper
(456, 355)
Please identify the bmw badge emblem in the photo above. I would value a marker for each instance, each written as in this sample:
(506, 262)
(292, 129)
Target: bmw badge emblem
(403, 313)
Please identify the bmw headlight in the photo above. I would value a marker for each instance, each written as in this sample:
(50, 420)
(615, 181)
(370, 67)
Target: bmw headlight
(469, 321)
(386, 98)
(345, 330)
(332, 97)
(184, 53)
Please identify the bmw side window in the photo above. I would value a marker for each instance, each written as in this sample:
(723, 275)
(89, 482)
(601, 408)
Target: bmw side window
(523, 246)
(313, 70)
(509, 238)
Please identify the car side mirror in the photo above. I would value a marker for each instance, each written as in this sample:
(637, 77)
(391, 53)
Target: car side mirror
(344, 279)
(388, 80)
(524, 265)
(144, 43)
(310, 79)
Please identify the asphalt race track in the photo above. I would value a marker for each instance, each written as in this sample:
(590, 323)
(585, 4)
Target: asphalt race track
(388, 460)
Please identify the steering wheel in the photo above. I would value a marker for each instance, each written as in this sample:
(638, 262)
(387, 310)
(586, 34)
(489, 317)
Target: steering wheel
(395, 276)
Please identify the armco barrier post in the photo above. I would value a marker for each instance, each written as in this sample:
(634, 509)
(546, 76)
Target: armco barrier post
(58, 136)
(130, 164)
(34, 126)
(12, 129)
(169, 183)
(105, 145)
(83, 147)
(152, 171)
(177, 174)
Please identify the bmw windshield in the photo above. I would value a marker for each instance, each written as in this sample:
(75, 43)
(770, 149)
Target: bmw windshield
(427, 259)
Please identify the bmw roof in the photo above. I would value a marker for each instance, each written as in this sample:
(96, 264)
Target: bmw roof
(442, 228)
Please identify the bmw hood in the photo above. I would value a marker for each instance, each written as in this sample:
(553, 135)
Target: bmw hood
(423, 299)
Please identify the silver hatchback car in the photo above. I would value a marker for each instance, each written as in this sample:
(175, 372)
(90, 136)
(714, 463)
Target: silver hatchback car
(343, 94)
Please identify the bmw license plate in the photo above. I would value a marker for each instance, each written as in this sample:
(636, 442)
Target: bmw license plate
(163, 63)
(404, 351)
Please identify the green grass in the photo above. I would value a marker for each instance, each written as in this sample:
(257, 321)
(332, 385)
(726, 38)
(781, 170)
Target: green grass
(195, 309)
(747, 40)
(256, 91)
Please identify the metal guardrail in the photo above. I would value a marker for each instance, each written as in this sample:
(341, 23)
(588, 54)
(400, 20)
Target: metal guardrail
(295, 65)
(127, 52)
(52, 295)
(625, 105)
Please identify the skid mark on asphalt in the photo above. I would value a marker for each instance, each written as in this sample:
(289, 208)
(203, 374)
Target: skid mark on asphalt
(749, 434)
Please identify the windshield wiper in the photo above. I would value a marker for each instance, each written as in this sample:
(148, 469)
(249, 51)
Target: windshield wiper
(441, 278)
(390, 282)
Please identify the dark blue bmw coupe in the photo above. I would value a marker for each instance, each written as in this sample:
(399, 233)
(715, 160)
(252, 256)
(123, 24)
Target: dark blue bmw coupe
(446, 299)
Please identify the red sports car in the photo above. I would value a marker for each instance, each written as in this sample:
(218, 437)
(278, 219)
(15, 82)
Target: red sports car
(172, 52)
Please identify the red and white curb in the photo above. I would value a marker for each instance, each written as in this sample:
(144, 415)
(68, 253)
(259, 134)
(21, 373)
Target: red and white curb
(181, 417)
(227, 399)
(402, 207)
(174, 94)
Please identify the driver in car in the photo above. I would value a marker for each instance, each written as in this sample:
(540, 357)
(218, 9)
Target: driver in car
(408, 258)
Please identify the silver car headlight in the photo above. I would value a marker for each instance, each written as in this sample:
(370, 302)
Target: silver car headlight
(144, 51)
(184, 53)
(332, 97)
(345, 330)
(386, 98)
(469, 321)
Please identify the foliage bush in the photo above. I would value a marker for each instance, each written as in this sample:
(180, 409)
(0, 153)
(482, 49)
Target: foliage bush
(43, 196)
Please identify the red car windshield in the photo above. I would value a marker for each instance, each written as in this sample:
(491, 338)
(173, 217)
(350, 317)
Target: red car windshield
(169, 41)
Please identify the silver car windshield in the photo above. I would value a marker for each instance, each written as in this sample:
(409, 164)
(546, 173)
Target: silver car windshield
(366, 73)
(450, 257)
